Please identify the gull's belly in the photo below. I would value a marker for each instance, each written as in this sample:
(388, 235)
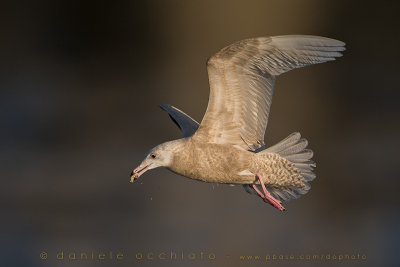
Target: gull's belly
(214, 163)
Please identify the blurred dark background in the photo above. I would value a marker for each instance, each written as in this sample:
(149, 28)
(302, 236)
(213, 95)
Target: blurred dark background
(80, 84)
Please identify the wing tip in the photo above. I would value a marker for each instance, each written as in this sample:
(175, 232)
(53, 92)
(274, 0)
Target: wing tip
(324, 40)
(164, 106)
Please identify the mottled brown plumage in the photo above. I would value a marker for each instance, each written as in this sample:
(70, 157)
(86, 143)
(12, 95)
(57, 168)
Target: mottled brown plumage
(228, 146)
(218, 163)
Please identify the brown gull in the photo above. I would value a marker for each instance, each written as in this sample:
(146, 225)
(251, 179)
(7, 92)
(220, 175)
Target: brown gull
(228, 145)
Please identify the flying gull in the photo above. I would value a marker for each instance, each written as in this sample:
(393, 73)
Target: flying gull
(228, 145)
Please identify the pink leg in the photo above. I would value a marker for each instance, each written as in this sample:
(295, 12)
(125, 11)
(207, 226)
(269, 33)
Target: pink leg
(258, 191)
(267, 197)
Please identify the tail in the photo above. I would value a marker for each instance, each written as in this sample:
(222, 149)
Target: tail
(293, 149)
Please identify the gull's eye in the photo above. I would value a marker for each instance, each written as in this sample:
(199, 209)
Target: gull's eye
(153, 156)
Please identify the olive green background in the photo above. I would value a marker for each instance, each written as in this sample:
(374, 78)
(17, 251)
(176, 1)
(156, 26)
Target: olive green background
(80, 83)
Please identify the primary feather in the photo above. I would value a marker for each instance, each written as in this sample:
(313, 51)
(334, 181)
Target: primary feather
(242, 78)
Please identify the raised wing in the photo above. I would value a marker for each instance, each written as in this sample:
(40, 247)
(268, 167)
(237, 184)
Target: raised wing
(187, 125)
(242, 78)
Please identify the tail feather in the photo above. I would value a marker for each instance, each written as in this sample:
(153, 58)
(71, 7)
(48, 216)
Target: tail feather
(303, 156)
(308, 176)
(286, 193)
(298, 147)
(307, 165)
(282, 145)
(293, 148)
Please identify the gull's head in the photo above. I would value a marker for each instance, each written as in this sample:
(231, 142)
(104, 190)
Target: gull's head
(159, 156)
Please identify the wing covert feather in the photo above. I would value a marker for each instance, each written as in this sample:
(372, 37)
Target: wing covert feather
(242, 78)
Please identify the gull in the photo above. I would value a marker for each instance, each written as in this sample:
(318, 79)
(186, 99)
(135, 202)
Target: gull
(228, 147)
